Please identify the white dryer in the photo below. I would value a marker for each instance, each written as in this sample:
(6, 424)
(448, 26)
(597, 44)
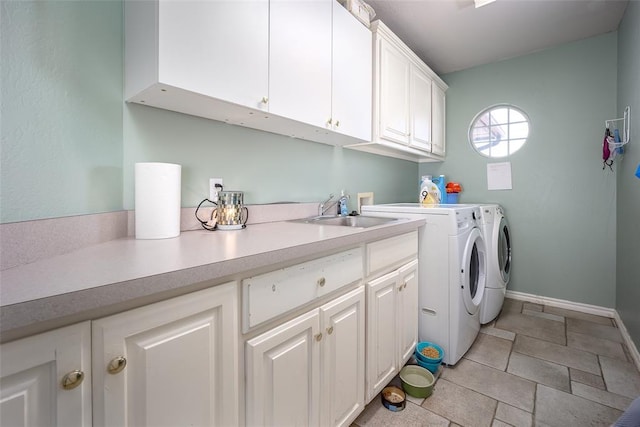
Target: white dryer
(451, 272)
(497, 237)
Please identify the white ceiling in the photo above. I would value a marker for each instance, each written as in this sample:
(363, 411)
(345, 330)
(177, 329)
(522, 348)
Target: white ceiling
(452, 35)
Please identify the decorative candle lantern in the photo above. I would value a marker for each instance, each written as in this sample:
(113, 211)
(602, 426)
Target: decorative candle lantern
(231, 213)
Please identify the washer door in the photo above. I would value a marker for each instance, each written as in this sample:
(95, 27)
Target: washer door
(504, 250)
(474, 271)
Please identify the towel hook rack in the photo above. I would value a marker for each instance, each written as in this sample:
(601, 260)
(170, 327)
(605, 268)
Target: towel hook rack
(626, 128)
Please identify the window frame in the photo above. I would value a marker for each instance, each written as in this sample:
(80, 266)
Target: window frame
(488, 110)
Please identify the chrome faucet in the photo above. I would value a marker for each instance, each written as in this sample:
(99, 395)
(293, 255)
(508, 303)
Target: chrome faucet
(327, 204)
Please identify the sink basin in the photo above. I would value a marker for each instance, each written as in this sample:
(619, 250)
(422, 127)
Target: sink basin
(347, 221)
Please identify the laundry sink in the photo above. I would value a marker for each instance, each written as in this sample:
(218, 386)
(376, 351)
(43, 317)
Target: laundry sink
(347, 221)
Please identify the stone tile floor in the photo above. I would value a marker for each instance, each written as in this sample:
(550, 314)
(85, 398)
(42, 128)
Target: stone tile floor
(533, 366)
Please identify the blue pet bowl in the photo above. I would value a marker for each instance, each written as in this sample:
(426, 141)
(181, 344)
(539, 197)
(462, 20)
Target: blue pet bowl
(432, 367)
(421, 357)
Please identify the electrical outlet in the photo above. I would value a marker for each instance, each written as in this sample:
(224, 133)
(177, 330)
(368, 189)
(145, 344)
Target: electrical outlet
(213, 190)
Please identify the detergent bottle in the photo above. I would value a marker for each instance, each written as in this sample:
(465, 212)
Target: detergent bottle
(429, 192)
(439, 182)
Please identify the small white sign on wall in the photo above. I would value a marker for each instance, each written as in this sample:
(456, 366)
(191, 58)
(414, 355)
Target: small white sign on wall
(499, 176)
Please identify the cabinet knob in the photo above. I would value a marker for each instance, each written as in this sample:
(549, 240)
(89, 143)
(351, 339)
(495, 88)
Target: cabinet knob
(400, 288)
(337, 123)
(321, 281)
(72, 380)
(319, 336)
(116, 365)
(330, 330)
(264, 100)
(329, 122)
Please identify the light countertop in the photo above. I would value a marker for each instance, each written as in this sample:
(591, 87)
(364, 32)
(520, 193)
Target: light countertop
(125, 273)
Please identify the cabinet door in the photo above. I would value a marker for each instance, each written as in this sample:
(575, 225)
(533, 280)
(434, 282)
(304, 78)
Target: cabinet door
(420, 137)
(300, 60)
(170, 363)
(381, 333)
(438, 121)
(32, 371)
(283, 373)
(352, 73)
(394, 93)
(407, 310)
(342, 362)
(215, 48)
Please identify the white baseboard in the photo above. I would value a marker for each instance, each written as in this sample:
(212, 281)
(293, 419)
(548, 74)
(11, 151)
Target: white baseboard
(583, 308)
(633, 350)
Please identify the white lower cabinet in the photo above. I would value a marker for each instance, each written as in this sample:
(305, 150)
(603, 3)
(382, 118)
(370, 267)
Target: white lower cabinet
(343, 358)
(310, 370)
(407, 311)
(392, 308)
(45, 379)
(382, 358)
(392, 325)
(179, 362)
(170, 363)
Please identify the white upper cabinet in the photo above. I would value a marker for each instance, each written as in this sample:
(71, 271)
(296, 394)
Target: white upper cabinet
(438, 106)
(218, 49)
(420, 111)
(200, 48)
(351, 76)
(276, 65)
(394, 90)
(300, 60)
(405, 121)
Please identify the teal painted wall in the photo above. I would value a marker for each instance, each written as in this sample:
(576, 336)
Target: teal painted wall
(60, 108)
(269, 168)
(628, 236)
(69, 143)
(562, 208)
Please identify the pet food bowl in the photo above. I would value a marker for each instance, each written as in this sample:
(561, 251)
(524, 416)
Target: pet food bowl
(432, 367)
(393, 398)
(417, 381)
(421, 357)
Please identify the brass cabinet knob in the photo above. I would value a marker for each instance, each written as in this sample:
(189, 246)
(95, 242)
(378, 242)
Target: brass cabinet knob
(330, 330)
(321, 281)
(116, 365)
(72, 380)
(319, 336)
(264, 100)
(337, 123)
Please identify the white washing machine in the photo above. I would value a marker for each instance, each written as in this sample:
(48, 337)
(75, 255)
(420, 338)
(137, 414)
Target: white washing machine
(451, 272)
(497, 237)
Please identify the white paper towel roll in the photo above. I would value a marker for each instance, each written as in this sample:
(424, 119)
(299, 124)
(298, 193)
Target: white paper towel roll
(157, 200)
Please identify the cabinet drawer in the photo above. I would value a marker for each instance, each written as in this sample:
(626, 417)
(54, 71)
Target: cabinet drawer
(269, 295)
(389, 252)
